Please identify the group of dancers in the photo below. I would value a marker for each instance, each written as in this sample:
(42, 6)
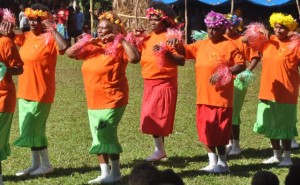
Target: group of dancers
(224, 61)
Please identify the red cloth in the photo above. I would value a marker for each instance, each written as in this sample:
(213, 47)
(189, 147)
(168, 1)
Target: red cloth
(214, 124)
(158, 107)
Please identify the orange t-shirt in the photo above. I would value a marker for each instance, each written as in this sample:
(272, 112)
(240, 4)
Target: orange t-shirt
(105, 80)
(280, 74)
(206, 54)
(151, 67)
(39, 54)
(247, 52)
(9, 55)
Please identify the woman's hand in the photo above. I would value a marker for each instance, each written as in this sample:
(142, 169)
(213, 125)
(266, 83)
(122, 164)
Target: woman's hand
(214, 79)
(107, 38)
(6, 29)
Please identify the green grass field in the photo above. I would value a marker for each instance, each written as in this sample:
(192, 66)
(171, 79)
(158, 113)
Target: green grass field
(70, 139)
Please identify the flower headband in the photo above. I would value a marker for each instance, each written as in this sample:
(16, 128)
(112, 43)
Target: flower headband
(161, 14)
(7, 16)
(216, 20)
(110, 17)
(34, 14)
(286, 20)
(234, 20)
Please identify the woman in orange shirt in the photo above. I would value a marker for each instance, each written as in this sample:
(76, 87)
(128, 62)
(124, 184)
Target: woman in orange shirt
(241, 81)
(159, 72)
(10, 64)
(279, 88)
(217, 59)
(105, 61)
(36, 86)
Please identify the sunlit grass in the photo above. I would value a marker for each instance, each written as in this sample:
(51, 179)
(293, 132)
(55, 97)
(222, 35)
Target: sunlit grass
(70, 139)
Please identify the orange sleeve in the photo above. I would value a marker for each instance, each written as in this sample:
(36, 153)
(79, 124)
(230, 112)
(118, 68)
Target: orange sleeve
(191, 50)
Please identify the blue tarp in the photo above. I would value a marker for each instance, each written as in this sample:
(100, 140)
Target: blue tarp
(219, 2)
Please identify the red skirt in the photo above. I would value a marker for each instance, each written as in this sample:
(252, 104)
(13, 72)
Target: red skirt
(214, 124)
(158, 106)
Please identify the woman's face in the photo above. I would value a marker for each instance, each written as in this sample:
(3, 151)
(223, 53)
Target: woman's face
(215, 34)
(104, 28)
(281, 31)
(156, 23)
(36, 25)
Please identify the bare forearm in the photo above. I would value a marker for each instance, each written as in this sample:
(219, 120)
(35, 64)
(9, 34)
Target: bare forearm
(131, 51)
(237, 68)
(60, 41)
(253, 64)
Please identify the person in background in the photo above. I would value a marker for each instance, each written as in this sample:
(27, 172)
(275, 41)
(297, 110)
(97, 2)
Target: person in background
(160, 73)
(279, 88)
(62, 19)
(144, 174)
(36, 86)
(216, 59)
(10, 64)
(292, 177)
(104, 75)
(23, 20)
(79, 21)
(71, 26)
(241, 82)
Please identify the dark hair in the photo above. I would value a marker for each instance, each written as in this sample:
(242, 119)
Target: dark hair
(265, 178)
(144, 174)
(38, 6)
(164, 7)
(292, 177)
(170, 177)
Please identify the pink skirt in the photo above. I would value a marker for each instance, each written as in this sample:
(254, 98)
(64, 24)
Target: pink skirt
(214, 124)
(158, 106)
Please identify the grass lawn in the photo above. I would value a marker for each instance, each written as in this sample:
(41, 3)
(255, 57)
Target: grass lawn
(70, 139)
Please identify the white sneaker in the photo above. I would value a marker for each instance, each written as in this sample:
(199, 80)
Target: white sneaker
(271, 160)
(111, 179)
(98, 180)
(43, 170)
(208, 168)
(228, 148)
(286, 163)
(26, 171)
(294, 144)
(220, 169)
(156, 156)
(235, 151)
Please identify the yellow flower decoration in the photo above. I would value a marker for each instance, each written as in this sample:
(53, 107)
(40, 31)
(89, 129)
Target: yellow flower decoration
(286, 20)
(34, 14)
(109, 16)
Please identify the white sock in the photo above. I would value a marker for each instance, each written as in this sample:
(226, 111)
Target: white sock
(235, 143)
(35, 157)
(159, 145)
(115, 167)
(230, 142)
(1, 179)
(45, 157)
(287, 154)
(222, 160)
(212, 157)
(277, 154)
(104, 169)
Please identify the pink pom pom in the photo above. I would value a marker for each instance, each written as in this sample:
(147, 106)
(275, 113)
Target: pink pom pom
(82, 41)
(256, 35)
(111, 48)
(8, 16)
(174, 34)
(295, 41)
(224, 73)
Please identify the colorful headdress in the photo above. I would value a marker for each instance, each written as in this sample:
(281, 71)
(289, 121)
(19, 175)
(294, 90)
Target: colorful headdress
(216, 20)
(235, 21)
(161, 14)
(34, 14)
(110, 17)
(7, 16)
(286, 20)
(256, 35)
